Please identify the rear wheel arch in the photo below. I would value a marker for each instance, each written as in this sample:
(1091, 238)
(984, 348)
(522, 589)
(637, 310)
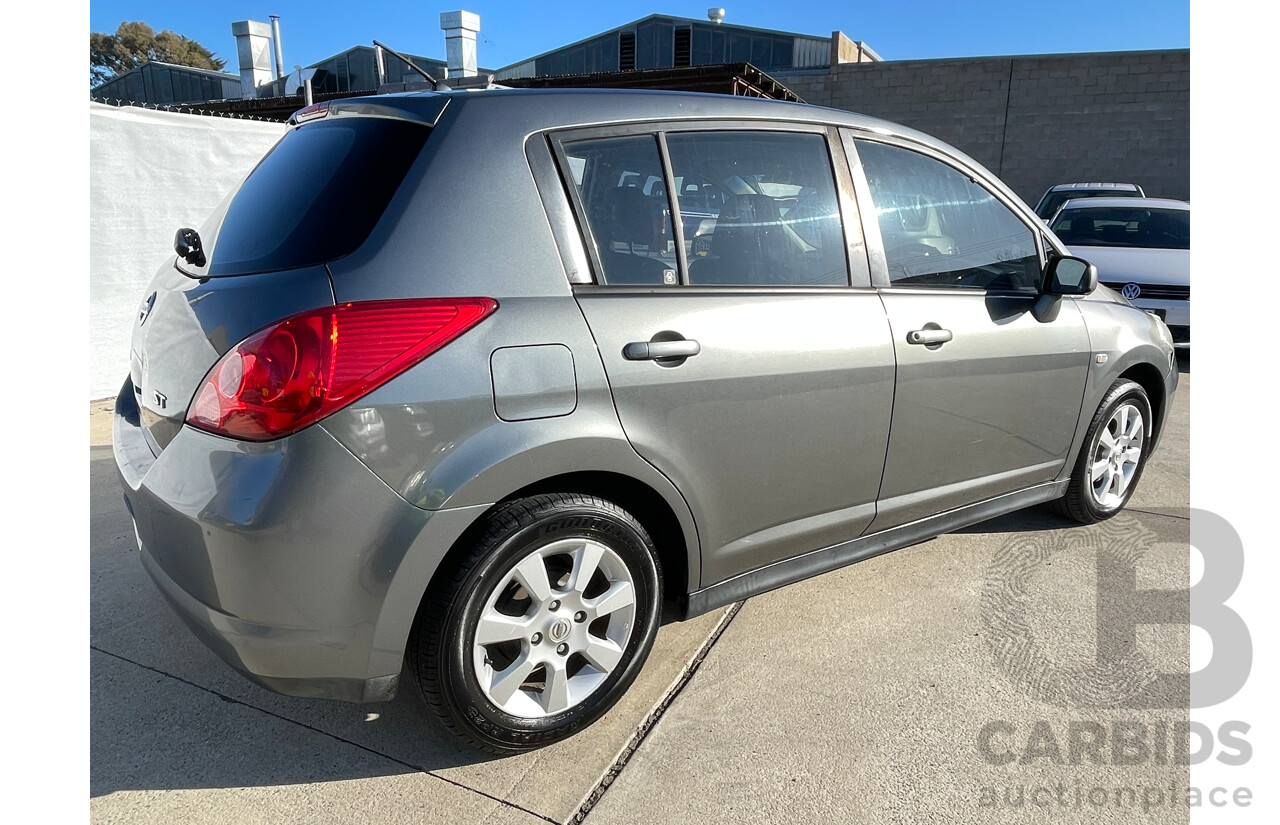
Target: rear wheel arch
(646, 504)
(676, 552)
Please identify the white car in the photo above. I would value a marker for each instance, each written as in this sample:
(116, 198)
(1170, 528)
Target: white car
(1142, 249)
(1055, 196)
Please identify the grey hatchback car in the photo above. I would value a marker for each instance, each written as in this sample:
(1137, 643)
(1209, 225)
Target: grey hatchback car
(447, 389)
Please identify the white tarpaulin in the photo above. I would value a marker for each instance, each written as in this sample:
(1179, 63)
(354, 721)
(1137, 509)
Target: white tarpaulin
(150, 173)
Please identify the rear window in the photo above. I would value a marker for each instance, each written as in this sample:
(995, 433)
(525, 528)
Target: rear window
(317, 195)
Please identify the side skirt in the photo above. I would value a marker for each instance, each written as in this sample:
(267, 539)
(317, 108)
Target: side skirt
(816, 562)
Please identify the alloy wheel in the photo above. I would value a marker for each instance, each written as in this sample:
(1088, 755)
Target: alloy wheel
(555, 628)
(1116, 456)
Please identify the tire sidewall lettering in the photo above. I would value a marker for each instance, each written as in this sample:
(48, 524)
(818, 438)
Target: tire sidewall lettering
(459, 677)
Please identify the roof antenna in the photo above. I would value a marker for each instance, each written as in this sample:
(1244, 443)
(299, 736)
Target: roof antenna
(436, 85)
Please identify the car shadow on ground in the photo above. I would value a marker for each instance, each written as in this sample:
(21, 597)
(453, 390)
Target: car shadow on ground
(1044, 517)
(155, 731)
(1039, 517)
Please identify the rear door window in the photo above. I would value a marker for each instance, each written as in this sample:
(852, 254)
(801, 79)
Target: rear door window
(317, 195)
(758, 209)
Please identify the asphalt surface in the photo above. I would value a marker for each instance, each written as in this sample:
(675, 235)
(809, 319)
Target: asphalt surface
(940, 683)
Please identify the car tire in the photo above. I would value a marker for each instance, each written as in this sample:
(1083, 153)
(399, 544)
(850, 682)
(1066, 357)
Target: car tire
(1113, 456)
(514, 650)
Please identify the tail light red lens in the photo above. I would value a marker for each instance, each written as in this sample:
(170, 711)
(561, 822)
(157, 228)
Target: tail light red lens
(296, 372)
(313, 112)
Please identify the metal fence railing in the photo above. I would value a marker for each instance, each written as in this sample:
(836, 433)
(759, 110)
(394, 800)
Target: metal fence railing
(184, 109)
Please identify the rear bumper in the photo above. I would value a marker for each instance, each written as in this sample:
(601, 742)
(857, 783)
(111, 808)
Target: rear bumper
(291, 560)
(262, 651)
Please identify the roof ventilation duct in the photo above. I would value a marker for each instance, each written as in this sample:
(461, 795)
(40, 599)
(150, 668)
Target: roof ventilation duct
(253, 45)
(460, 30)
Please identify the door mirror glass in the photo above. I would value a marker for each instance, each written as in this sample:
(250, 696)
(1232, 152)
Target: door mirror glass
(1070, 276)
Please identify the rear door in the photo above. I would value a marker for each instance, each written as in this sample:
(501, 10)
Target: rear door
(745, 363)
(991, 375)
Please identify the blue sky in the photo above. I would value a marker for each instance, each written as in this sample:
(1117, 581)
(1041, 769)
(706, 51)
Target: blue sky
(511, 31)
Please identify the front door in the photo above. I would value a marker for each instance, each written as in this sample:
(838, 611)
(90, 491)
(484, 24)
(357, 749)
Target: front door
(991, 374)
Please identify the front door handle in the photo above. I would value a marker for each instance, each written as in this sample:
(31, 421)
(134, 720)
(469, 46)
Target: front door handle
(929, 336)
(660, 350)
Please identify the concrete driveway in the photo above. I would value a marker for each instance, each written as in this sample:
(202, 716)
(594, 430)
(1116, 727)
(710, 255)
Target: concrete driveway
(966, 679)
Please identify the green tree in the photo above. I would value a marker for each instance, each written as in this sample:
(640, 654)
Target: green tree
(135, 43)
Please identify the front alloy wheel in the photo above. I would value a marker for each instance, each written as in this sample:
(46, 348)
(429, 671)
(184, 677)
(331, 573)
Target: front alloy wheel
(1114, 453)
(1116, 457)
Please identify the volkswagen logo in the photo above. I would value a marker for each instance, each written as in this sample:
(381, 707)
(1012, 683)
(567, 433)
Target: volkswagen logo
(1131, 291)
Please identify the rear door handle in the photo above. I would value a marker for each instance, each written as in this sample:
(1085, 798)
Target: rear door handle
(928, 336)
(657, 350)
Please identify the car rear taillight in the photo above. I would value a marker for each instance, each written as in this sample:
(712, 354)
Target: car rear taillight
(301, 369)
(313, 112)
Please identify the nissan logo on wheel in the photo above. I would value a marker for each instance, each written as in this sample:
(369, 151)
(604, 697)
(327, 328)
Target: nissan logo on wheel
(1131, 291)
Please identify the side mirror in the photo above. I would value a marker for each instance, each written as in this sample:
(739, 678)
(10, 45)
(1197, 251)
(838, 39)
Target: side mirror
(1070, 276)
(187, 244)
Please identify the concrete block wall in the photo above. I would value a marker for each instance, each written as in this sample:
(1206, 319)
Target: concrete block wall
(1038, 120)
